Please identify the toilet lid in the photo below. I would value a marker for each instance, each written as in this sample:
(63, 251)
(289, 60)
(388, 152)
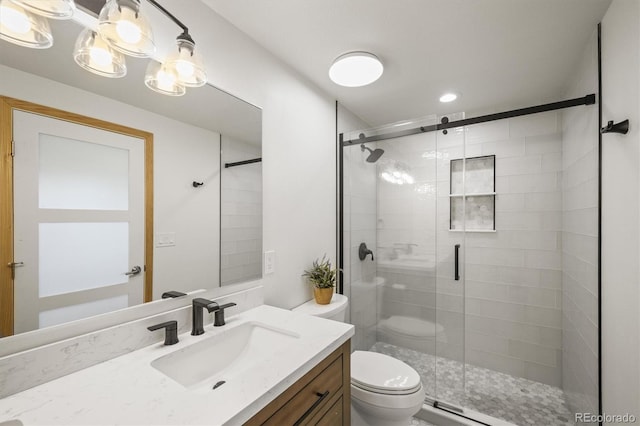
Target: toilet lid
(382, 374)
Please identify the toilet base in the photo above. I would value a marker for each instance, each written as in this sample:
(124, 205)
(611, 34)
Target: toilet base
(357, 419)
(396, 412)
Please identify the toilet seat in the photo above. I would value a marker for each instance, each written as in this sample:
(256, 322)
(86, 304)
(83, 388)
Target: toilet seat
(382, 374)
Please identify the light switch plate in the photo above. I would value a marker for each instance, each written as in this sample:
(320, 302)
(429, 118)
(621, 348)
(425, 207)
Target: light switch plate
(165, 239)
(269, 262)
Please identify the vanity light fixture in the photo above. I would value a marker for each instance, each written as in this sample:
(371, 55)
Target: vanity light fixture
(356, 69)
(121, 24)
(122, 28)
(95, 54)
(448, 97)
(54, 9)
(20, 26)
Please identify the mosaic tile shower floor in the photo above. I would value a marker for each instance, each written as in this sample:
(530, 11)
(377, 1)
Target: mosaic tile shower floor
(514, 399)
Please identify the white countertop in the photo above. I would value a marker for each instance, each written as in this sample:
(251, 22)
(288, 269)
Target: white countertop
(128, 391)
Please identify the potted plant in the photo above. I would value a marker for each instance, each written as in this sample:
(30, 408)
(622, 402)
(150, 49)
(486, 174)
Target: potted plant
(323, 278)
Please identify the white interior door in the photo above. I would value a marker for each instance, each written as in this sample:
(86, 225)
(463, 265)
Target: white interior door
(78, 221)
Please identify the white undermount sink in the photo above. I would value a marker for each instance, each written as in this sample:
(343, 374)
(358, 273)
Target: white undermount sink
(219, 357)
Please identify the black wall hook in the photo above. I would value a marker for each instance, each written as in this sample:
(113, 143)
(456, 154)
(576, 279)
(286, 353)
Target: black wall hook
(197, 184)
(621, 127)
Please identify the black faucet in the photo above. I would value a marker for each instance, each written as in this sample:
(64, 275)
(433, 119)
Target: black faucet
(171, 331)
(196, 314)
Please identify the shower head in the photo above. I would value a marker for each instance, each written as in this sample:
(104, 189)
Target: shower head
(375, 154)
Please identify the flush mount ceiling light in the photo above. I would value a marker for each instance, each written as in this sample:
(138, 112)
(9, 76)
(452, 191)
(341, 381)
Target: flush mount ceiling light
(355, 69)
(448, 97)
(54, 9)
(21, 27)
(95, 54)
(125, 28)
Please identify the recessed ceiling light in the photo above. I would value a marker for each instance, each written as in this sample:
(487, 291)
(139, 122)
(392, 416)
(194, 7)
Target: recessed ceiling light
(448, 97)
(355, 69)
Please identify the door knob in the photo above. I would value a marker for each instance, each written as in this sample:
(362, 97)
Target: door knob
(134, 271)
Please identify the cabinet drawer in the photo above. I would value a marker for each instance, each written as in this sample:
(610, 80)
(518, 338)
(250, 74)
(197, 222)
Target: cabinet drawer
(312, 398)
(332, 417)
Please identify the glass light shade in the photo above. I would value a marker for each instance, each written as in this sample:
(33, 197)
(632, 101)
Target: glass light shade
(163, 80)
(21, 27)
(355, 69)
(187, 64)
(94, 54)
(54, 9)
(121, 24)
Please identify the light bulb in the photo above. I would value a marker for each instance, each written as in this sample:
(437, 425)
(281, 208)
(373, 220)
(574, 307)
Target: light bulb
(165, 80)
(14, 19)
(127, 30)
(185, 69)
(100, 56)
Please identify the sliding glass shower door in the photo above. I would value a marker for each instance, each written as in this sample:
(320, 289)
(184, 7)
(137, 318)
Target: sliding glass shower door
(483, 275)
(450, 224)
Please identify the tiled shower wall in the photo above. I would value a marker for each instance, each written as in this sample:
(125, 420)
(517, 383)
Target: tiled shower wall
(359, 225)
(241, 213)
(580, 242)
(513, 276)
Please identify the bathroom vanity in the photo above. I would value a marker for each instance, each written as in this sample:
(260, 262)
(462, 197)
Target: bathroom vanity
(265, 366)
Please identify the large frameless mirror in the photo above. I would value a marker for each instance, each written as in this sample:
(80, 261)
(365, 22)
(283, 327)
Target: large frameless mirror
(207, 218)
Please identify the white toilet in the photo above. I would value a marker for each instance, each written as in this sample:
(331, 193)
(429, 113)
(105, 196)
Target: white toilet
(384, 391)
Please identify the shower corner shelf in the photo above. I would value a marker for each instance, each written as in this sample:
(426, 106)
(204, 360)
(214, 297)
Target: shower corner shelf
(478, 194)
(484, 231)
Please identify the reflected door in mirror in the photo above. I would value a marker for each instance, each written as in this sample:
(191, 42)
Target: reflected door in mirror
(78, 221)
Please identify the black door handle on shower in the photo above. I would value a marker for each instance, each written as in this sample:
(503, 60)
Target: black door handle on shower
(457, 262)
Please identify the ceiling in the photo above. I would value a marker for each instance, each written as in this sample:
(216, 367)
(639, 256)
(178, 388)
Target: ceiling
(497, 54)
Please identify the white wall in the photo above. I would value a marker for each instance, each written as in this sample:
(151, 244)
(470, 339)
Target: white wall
(621, 210)
(298, 148)
(182, 154)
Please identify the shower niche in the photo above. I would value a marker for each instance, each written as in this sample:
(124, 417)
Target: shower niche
(472, 194)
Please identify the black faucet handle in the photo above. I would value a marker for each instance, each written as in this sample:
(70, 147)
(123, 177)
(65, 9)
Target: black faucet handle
(218, 317)
(171, 331)
(172, 294)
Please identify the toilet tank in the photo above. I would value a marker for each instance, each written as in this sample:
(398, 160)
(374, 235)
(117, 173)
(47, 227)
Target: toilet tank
(336, 310)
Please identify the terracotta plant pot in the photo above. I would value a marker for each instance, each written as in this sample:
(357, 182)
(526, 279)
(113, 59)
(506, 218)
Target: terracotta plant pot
(323, 295)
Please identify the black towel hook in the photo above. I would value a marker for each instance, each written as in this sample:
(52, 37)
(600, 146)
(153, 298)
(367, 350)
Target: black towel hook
(621, 127)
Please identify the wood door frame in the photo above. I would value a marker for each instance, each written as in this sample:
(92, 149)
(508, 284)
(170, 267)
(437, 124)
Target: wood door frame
(7, 106)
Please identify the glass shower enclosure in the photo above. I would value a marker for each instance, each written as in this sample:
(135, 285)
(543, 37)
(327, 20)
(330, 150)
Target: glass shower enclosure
(465, 279)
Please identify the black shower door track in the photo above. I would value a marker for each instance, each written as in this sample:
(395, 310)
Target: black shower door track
(585, 100)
